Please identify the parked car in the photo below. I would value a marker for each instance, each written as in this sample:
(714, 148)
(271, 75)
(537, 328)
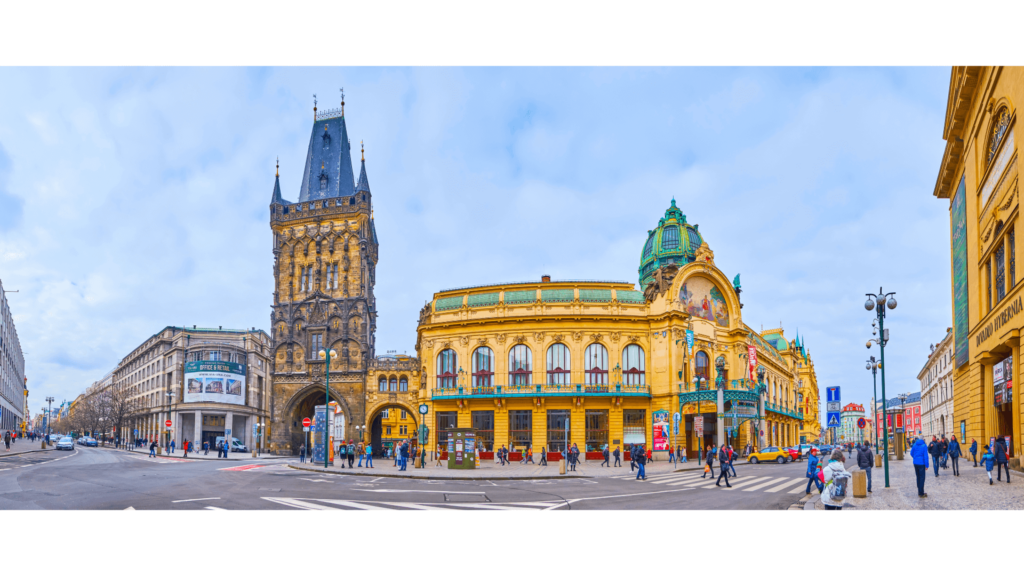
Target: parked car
(768, 454)
(236, 444)
(90, 441)
(794, 453)
(65, 443)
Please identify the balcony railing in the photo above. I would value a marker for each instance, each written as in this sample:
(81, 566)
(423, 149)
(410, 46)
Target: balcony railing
(542, 390)
(780, 409)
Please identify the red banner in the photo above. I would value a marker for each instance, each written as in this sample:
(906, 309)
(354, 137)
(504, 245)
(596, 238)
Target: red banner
(752, 354)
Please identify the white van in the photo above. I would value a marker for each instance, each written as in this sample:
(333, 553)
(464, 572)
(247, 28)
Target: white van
(236, 444)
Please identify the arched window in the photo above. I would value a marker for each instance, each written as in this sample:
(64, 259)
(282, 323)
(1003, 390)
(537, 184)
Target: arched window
(447, 366)
(649, 246)
(670, 238)
(403, 384)
(520, 364)
(595, 364)
(393, 384)
(558, 364)
(702, 364)
(1001, 121)
(633, 365)
(483, 367)
(382, 386)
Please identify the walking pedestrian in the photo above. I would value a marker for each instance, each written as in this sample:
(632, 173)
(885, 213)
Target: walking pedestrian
(812, 473)
(404, 455)
(186, 448)
(974, 452)
(650, 456)
(732, 459)
(617, 453)
(302, 453)
(529, 455)
(369, 456)
(1001, 461)
(836, 480)
(865, 461)
(501, 455)
(544, 456)
(351, 454)
(709, 465)
(954, 454)
(7, 440)
(671, 455)
(919, 452)
(988, 460)
(606, 455)
(641, 474)
(172, 446)
(935, 451)
(206, 448)
(574, 455)
(723, 460)
(362, 454)
(632, 457)
(152, 449)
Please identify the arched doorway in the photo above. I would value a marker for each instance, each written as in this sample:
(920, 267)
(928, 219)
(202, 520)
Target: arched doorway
(389, 425)
(305, 407)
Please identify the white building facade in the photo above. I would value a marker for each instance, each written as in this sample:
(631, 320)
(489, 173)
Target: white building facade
(12, 370)
(936, 379)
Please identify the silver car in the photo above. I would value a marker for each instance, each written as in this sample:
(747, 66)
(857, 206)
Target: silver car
(65, 443)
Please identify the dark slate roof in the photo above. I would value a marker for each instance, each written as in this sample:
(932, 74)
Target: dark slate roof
(364, 184)
(373, 230)
(276, 198)
(895, 402)
(328, 160)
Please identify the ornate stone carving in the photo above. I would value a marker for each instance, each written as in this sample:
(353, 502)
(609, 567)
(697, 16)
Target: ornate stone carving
(428, 343)
(595, 337)
(633, 338)
(614, 336)
(464, 340)
(519, 339)
(481, 342)
(538, 337)
(557, 337)
(577, 336)
(663, 277)
(500, 338)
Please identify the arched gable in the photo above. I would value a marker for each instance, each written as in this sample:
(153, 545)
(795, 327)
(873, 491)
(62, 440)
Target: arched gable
(705, 292)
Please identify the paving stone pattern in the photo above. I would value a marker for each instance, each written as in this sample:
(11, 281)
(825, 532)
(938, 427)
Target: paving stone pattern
(969, 491)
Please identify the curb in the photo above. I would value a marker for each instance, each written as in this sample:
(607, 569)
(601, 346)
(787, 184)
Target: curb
(28, 452)
(198, 459)
(386, 475)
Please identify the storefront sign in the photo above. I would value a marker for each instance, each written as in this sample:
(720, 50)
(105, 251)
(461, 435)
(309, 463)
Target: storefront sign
(210, 381)
(698, 425)
(659, 438)
(1000, 320)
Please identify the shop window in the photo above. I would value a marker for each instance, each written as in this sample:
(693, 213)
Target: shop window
(558, 364)
(597, 430)
(483, 367)
(445, 422)
(634, 427)
(520, 428)
(595, 364)
(520, 364)
(483, 425)
(633, 365)
(447, 366)
(556, 430)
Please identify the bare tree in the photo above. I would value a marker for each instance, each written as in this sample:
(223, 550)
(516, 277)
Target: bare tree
(119, 408)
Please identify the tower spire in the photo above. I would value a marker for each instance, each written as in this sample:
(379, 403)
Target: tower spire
(314, 107)
(342, 101)
(364, 184)
(277, 168)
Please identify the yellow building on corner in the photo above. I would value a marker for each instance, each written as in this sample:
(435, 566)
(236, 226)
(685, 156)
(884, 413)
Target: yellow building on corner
(551, 364)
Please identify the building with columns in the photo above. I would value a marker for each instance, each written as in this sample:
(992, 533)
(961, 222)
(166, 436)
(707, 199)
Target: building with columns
(599, 363)
(936, 377)
(204, 380)
(13, 390)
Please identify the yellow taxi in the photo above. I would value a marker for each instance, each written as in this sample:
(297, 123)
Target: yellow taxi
(770, 453)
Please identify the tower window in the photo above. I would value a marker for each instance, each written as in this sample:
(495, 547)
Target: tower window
(670, 238)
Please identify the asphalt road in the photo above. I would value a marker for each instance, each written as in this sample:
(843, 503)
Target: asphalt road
(104, 479)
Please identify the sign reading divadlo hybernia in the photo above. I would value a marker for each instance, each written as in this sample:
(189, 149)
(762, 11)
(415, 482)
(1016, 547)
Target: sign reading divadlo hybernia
(958, 231)
(212, 381)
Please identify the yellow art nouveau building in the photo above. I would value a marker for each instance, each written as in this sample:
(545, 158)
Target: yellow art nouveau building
(595, 363)
(978, 176)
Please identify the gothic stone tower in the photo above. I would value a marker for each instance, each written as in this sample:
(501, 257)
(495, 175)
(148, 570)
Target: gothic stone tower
(325, 254)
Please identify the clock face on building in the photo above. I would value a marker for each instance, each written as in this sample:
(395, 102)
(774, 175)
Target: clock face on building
(423, 408)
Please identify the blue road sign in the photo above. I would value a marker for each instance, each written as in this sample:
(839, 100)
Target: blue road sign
(833, 419)
(833, 394)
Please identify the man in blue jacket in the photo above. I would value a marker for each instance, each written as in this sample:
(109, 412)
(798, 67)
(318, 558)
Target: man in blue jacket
(919, 452)
(812, 472)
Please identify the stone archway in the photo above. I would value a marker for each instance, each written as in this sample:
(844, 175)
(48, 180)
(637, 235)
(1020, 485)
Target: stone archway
(376, 432)
(303, 405)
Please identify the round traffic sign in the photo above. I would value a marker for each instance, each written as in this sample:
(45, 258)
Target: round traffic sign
(861, 423)
(167, 423)
(306, 422)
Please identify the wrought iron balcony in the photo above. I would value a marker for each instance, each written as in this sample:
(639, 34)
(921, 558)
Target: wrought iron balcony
(505, 391)
(780, 409)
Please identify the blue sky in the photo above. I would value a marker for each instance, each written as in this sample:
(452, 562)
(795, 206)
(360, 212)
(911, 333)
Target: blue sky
(132, 199)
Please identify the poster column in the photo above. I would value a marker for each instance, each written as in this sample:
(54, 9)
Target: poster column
(198, 427)
(228, 430)
(720, 408)
(761, 423)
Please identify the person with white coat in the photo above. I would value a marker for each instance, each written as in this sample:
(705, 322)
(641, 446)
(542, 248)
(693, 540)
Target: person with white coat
(837, 482)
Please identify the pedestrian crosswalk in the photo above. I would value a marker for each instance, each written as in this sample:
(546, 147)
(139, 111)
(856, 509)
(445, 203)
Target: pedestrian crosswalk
(761, 483)
(332, 504)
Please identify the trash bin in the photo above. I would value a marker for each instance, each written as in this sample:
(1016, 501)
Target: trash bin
(860, 484)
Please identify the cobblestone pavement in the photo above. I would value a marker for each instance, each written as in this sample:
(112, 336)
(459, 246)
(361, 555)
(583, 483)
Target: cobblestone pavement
(969, 491)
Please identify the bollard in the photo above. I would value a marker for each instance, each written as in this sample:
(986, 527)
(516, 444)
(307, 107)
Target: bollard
(43, 445)
(159, 450)
(860, 484)
(561, 466)
(878, 460)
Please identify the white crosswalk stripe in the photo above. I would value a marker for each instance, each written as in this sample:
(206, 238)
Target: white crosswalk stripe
(800, 488)
(322, 504)
(785, 485)
(759, 486)
(736, 484)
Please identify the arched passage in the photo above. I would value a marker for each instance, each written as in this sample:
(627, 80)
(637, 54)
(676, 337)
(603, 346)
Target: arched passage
(304, 406)
(389, 424)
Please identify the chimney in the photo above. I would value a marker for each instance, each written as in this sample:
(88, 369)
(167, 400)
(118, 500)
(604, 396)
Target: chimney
(545, 278)
(220, 327)
(193, 326)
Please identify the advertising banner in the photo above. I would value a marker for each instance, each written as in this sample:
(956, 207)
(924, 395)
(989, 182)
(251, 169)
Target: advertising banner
(958, 233)
(752, 354)
(660, 436)
(689, 342)
(1002, 381)
(210, 381)
(698, 426)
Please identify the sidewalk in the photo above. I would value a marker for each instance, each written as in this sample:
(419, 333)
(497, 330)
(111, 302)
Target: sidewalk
(178, 453)
(23, 445)
(969, 491)
(489, 470)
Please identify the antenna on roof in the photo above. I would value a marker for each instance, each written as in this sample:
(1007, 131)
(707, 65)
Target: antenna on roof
(278, 167)
(342, 101)
(314, 107)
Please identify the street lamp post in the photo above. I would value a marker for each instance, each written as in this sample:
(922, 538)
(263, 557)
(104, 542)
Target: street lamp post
(167, 441)
(874, 366)
(49, 415)
(327, 356)
(881, 301)
(761, 389)
(903, 409)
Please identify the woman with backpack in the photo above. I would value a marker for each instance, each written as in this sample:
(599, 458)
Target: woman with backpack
(954, 454)
(837, 481)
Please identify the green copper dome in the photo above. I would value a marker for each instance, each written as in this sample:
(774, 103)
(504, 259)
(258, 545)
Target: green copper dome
(672, 242)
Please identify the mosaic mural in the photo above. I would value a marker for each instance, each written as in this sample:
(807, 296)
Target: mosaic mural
(703, 299)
